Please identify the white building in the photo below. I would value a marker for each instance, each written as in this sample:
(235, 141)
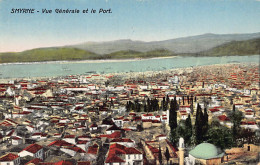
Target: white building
(33, 150)
(10, 159)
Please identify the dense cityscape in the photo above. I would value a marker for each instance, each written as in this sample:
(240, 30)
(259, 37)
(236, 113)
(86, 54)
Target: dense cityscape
(197, 115)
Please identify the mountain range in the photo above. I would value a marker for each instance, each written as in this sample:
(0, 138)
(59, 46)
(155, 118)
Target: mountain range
(201, 45)
(193, 44)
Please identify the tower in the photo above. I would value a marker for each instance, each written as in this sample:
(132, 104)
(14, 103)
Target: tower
(181, 151)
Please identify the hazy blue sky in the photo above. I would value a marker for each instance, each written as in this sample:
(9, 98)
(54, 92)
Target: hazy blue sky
(146, 20)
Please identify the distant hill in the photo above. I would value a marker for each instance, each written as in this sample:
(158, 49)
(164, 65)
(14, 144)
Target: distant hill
(128, 54)
(193, 44)
(126, 49)
(248, 47)
(70, 54)
(46, 54)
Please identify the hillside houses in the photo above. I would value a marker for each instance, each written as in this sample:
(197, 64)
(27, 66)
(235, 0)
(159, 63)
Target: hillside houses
(118, 118)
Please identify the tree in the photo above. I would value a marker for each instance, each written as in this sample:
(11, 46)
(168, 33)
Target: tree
(199, 125)
(160, 155)
(127, 107)
(219, 135)
(167, 102)
(163, 105)
(112, 103)
(148, 105)
(181, 130)
(167, 155)
(236, 117)
(205, 125)
(173, 114)
(188, 130)
(145, 107)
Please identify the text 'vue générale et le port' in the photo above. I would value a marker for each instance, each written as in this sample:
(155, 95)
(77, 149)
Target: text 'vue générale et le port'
(60, 11)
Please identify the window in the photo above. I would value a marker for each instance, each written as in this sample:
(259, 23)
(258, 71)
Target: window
(128, 156)
(135, 156)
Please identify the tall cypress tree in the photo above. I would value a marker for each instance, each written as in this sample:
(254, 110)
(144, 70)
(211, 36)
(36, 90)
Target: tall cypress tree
(167, 102)
(148, 105)
(205, 125)
(236, 117)
(173, 114)
(145, 107)
(198, 125)
(188, 130)
(160, 155)
(163, 105)
(167, 154)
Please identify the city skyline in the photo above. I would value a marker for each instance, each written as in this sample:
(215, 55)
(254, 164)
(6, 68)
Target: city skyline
(144, 20)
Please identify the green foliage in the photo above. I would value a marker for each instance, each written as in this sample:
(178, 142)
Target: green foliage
(199, 125)
(236, 118)
(46, 54)
(160, 155)
(174, 136)
(220, 136)
(173, 114)
(167, 154)
(60, 54)
(188, 130)
(248, 47)
(181, 129)
(205, 125)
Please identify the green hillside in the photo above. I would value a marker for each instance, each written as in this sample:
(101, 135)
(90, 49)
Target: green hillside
(70, 54)
(127, 54)
(248, 47)
(46, 54)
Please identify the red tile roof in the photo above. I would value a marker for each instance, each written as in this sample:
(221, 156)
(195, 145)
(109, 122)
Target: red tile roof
(8, 157)
(33, 148)
(34, 161)
(63, 162)
(122, 140)
(223, 118)
(60, 143)
(120, 149)
(111, 158)
(93, 149)
(113, 135)
(77, 149)
(84, 163)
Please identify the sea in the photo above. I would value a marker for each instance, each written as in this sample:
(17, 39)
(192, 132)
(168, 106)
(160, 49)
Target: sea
(63, 68)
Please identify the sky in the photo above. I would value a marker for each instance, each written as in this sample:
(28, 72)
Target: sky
(145, 20)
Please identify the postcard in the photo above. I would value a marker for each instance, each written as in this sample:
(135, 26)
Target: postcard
(133, 82)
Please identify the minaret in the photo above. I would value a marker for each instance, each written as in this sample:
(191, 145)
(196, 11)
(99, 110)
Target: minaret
(181, 151)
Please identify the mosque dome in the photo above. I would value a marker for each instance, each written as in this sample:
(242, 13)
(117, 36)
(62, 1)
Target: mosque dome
(206, 151)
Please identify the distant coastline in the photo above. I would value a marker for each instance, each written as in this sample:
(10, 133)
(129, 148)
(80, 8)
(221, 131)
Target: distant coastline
(86, 61)
(6, 80)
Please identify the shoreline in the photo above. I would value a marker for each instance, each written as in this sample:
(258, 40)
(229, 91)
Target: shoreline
(107, 60)
(5, 80)
(87, 61)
